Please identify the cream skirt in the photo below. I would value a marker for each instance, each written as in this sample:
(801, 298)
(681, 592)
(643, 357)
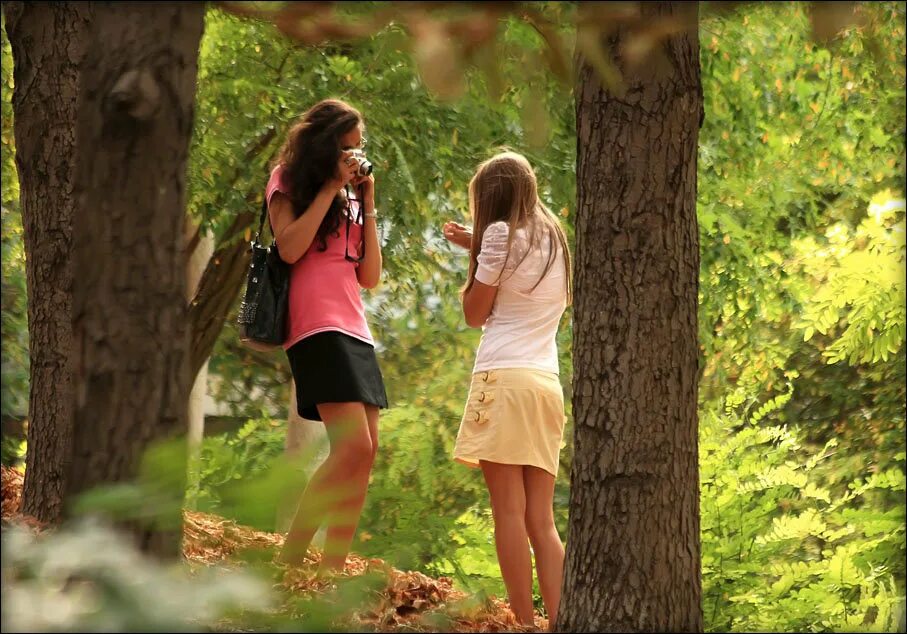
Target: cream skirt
(513, 416)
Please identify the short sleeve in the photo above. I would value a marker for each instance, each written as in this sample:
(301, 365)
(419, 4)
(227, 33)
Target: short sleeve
(492, 254)
(275, 184)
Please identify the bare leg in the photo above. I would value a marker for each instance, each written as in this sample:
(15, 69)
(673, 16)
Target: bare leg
(546, 543)
(345, 514)
(343, 475)
(508, 505)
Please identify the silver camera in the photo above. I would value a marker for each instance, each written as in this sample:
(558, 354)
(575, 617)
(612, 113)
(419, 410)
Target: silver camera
(364, 166)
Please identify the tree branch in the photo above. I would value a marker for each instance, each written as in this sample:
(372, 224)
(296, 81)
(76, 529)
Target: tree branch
(217, 291)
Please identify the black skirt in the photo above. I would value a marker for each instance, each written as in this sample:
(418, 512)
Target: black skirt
(332, 367)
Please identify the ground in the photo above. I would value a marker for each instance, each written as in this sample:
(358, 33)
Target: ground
(409, 601)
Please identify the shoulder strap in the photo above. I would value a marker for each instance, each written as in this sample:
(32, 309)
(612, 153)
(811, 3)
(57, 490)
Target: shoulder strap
(261, 220)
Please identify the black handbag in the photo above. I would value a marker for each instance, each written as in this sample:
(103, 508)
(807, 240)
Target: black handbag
(262, 316)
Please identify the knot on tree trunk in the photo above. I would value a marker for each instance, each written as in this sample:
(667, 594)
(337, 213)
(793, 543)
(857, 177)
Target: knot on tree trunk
(137, 94)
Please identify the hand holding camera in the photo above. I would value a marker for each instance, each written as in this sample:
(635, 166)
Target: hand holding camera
(363, 165)
(362, 179)
(345, 172)
(353, 168)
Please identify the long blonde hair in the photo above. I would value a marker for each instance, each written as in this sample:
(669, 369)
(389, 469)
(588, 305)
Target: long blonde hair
(504, 188)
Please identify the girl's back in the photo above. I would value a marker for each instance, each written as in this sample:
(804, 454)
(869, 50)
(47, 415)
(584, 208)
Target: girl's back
(517, 289)
(521, 330)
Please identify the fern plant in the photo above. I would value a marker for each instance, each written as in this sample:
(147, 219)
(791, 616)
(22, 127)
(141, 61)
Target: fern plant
(782, 549)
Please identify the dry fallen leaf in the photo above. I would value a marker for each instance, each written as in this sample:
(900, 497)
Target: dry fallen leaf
(410, 601)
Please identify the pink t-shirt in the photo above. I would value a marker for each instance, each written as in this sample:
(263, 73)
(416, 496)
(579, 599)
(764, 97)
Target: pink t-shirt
(324, 290)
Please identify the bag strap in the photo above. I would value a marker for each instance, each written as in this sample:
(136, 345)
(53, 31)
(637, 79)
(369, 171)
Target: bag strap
(261, 220)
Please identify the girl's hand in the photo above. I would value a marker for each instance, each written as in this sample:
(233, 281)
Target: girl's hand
(345, 171)
(458, 234)
(367, 185)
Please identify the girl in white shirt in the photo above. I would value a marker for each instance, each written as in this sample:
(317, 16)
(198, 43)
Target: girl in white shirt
(517, 288)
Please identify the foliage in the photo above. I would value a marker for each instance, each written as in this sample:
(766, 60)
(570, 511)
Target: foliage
(89, 578)
(801, 305)
(417, 491)
(801, 323)
(14, 392)
(226, 458)
(796, 138)
(860, 291)
(781, 549)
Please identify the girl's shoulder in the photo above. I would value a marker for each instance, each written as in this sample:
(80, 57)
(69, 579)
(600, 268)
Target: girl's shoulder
(495, 238)
(279, 178)
(497, 229)
(277, 174)
(498, 234)
(276, 182)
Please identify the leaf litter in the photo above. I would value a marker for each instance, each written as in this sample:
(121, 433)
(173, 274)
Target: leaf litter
(404, 601)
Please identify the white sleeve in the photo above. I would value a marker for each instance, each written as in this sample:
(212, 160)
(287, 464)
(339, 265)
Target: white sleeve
(492, 254)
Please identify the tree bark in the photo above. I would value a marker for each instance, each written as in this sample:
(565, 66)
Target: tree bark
(48, 45)
(218, 288)
(200, 249)
(130, 328)
(633, 547)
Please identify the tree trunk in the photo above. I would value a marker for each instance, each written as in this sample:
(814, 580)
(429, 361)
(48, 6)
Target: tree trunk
(225, 274)
(48, 44)
(130, 328)
(633, 550)
(199, 256)
(220, 284)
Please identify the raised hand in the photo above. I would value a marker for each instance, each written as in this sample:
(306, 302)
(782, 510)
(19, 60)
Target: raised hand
(458, 234)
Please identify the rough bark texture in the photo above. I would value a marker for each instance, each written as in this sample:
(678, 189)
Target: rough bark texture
(47, 42)
(633, 549)
(130, 328)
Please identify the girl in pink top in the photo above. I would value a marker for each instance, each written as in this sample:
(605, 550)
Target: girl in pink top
(321, 203)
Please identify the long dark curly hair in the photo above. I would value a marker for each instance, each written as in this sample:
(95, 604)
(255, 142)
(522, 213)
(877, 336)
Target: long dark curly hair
(309, 157)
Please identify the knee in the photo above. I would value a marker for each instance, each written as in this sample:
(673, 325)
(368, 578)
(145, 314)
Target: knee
(358, 453)
(509, 511)
(539, 523)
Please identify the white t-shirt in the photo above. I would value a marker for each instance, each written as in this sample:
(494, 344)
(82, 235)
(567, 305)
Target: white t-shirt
(521, 330)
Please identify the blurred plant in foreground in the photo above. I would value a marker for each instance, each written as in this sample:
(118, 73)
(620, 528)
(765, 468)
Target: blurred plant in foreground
(88, 577)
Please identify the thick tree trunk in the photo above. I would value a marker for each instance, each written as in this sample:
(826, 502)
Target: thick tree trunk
(130, 328)
(49, 41)
(633, 561)
(48, 44)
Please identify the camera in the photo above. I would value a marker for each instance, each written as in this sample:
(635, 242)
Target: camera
(364, 165)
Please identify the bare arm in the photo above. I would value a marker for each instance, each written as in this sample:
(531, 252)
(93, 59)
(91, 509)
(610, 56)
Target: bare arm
(369, 271)
(478, 302)
(458, 234)
(294, 235)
